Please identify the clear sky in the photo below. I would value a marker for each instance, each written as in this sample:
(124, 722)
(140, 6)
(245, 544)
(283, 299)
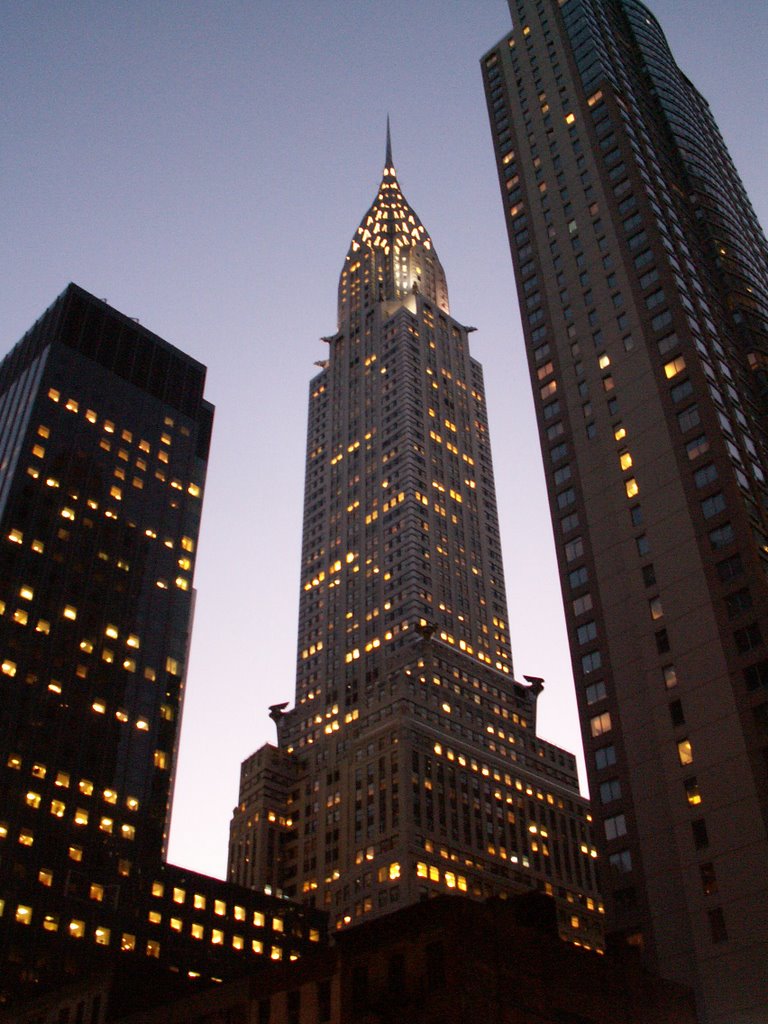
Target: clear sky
(202, 166)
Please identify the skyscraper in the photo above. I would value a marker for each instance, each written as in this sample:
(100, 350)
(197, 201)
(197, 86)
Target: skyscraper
(410, 762)
(104, 435)
(641, 272)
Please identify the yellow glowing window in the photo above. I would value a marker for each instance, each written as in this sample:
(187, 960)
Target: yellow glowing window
(33, 799)
(23, 914)
(99, 707)
(631, 487)
(685, 752)
(217, 937)
(76, 929)
(179, 895)
(257, 946)
(45, 876)
(276, 953)
(8, 667)
(54, 395)
(43, 626)
(673, 367)
(101, 935)
(38, 451)
(51, 923)
(132, 803)
(109, 796)
(71, 405)
(187, 544)
(21, 616)
(570, 118)
(133, 641)
(76, 852)
(128, 831)
(81, 816)
(194, 490)
(58, 807)
(26, 837)
(626, 460)
(237, 942)
(258, 919)
(3, 831)
(106, 825)
(161, 759)
(127, 942)
(182, 583)
(37, 546)
(96, 891)
(239, 913)
(85, 786)
(199, 901)
(90, 415)
(197, 931)
(176, 924)
(70, 612)
(142, 724)
(155, 917)
(16, 536)
(27, 593)
(109, 426)
(219, 907)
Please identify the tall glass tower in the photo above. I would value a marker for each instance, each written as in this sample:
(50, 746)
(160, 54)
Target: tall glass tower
(641, 273)
(410, 762)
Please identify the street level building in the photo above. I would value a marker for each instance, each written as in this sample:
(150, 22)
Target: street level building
(641, 274)
(104, 435)
(410, 763)
(445, 961)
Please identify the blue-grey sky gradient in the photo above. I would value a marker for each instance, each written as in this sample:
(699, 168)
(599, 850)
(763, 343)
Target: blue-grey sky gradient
(202, 166)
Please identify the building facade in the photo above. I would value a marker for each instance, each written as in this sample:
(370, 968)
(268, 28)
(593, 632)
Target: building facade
(410, 763)
(446, 961)
(104, 435)
(641, 274)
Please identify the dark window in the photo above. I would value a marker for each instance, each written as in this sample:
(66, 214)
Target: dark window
(435, 965)
(756, 676)
(699, 830)
(717, 925)
(359, 987)
(738, 602)
(676, 713)
(649, 575)
(294, 1006)
(264, 1011)
(708, 879)
(730, 568)
(662, 641)
(748, 638)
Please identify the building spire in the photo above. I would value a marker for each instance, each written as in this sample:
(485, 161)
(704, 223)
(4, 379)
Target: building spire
(388, 157)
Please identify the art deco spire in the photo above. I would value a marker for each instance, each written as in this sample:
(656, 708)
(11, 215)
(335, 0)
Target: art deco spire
(391, 253)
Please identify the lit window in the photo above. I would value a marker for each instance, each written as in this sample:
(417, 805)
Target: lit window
(631, 487)
(58, 807)
(106, 825)
(45, 877)
(179, 895)
(685, 752)
(219, 907)
(77, 929)
(199, 901)
(26, 837)
(626, 460)
(155, 917)
(176, 924)
(673, 367)
(81, 816)
(197, 931)
(70, 612)
(600, 724)
(75, 853)
(217, 937)
(96, 891)
(153, 948)
(655, 608)
(85, 786)
(127, 942)
(23, 914)
(51, 923)
(33, 799)
(101, 936)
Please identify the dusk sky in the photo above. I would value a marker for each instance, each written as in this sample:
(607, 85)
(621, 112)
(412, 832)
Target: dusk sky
(202, 166)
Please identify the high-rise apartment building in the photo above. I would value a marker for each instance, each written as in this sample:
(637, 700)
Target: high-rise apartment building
(641, 271)
(104, 435)
(410, 762)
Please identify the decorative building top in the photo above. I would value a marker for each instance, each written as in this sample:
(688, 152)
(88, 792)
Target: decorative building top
(391, 255)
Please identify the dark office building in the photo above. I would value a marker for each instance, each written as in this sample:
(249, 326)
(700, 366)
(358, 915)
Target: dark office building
(410, 763)
(641, 274)
(104, 436)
